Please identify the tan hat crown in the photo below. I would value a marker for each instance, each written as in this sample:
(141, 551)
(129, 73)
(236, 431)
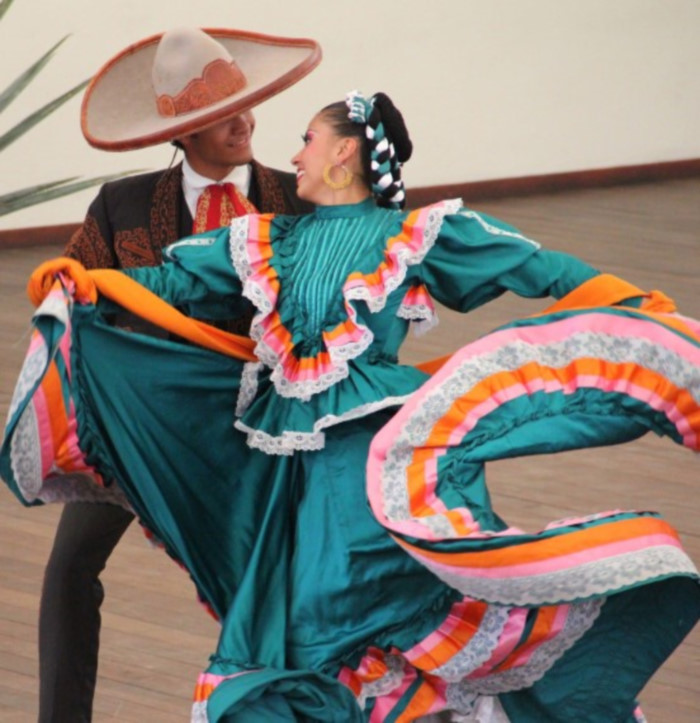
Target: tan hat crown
(192, 71)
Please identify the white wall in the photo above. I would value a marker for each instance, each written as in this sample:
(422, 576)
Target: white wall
(489, 88)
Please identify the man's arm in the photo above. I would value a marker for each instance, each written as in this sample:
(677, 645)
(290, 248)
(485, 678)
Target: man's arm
(92, 244)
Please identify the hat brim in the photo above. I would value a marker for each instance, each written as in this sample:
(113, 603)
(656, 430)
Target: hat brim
(119, 110)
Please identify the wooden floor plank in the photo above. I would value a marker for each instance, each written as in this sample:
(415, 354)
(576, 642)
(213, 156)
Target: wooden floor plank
(156, 636)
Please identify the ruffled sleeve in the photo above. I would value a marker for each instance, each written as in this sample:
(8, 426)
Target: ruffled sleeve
(476, 258)
(197, 274)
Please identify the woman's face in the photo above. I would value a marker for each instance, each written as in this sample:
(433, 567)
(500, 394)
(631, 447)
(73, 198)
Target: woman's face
(321, 146)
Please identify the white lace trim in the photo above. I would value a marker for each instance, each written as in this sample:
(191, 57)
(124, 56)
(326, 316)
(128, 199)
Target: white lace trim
(495, 230)
(342, 353)
(586, 580)
(249, 386)
(479, 649)
(82, 487)
(421, 316)
(207, 241)
(290, 442)
(199, 712)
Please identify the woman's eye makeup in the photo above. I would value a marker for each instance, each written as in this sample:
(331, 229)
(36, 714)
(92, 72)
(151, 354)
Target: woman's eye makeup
(306, 137)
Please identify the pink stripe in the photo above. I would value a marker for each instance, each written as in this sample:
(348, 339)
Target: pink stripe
(560, 617)
(452, 621)
(211, 679)
(35, 341)
(77, 459)
(46, 441)
(582, 381)
(512, 634)
(266, 286)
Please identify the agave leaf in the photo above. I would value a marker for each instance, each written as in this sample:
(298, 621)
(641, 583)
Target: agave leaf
(48, 191)
(30, 121)
(4, 7)
(22, 81)
(14, 195)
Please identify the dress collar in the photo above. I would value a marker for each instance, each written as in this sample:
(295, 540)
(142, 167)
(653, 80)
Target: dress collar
(346, 210)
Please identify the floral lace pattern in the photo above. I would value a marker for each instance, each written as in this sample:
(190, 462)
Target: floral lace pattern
(290, 442)
(34, 365)
(479, 649)
(597, 577)
(25, 455)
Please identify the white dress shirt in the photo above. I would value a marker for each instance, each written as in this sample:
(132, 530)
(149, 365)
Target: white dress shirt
(193, 183)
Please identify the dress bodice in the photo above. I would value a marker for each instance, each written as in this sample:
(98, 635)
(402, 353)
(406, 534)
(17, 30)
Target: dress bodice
(335, 293)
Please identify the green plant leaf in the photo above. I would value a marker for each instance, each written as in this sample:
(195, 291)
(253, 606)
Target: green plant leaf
(30, 121)
(18, 85)
(4, 7)
(14, 195)
(44, 192)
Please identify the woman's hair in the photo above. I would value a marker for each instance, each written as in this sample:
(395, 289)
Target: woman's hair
(384, 143)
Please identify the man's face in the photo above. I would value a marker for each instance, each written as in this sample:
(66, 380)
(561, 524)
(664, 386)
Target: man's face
(215, 151)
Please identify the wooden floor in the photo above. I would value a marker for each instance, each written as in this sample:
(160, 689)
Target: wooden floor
(156, 638)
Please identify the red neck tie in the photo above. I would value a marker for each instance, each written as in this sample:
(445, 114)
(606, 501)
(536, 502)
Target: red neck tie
(218, 204)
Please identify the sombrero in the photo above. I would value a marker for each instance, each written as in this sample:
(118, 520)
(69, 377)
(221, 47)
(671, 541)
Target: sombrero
(176, 83)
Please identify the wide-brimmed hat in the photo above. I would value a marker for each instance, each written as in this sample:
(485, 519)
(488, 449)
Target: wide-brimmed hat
(180, 82)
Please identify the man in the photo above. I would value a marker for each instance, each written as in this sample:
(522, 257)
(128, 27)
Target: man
(202, 105)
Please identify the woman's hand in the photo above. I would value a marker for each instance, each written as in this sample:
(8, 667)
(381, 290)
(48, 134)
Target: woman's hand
(44, 276)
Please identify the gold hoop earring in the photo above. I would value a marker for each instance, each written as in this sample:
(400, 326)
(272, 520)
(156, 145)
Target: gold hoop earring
(337, 185)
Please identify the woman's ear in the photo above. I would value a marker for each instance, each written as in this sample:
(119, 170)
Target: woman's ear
(347, 148)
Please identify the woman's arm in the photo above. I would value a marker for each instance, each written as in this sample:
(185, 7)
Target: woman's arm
(196, 275)
(477, 258)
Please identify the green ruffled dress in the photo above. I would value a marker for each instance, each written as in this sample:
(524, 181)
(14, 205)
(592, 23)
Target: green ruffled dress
(253, 475)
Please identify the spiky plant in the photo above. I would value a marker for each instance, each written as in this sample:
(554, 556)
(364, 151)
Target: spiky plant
(43, 192)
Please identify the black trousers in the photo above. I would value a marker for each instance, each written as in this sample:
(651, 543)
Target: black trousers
(69, 613)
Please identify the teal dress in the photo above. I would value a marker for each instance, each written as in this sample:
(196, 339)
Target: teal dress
(335, 294)
(254, 475)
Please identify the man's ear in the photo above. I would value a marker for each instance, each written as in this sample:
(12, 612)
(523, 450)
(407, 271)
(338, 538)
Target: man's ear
(184, 141)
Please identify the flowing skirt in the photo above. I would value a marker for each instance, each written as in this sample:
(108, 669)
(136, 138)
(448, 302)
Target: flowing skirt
(372, 580)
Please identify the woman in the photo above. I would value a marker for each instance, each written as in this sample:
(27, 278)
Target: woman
(423, 600)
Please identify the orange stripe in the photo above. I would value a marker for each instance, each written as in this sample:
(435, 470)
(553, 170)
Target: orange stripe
(454, 640)
(532, 371)
(541, 631)
(433, 365)
(609, 290)
(53, 395)
(202, 691)
(551, 547)
(420, 704)
(602, 290)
